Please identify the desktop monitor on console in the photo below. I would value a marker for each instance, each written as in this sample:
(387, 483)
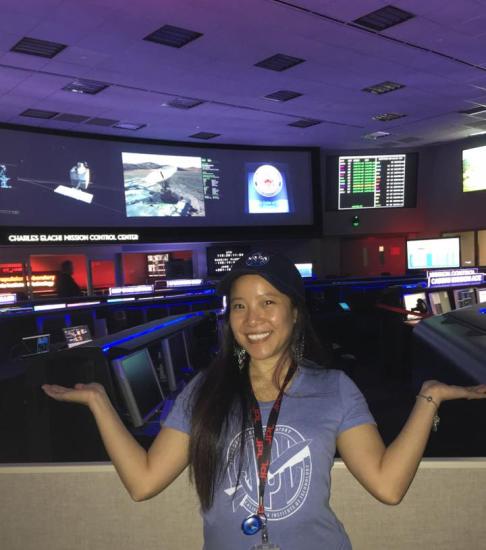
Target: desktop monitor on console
(464, 297)
(176, 359)
(139, 386)
(439, 302)
(415, 302)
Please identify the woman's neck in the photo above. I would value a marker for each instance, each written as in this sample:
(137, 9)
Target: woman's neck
(265, 384)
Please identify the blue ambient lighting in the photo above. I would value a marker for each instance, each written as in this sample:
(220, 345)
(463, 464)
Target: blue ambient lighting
(152, 329)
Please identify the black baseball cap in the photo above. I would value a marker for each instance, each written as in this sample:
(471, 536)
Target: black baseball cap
(276, 268)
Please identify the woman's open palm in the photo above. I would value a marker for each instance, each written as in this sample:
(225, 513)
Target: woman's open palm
(80, 393)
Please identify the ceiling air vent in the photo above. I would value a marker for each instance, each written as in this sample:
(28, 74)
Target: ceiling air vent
(82, 86)
(376, 135)
(176, 37)
(409, 139)
(304, 123)
(279, 62)
(68, 117)
(97, 121)
(383, 87)
(129, 125)
(40, 48)
(183, 103)
(386, 117)
(384, 18)
(204, 135)
(282, 95)
(38, 113)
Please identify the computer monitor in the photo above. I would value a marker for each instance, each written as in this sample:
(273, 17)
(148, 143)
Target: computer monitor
(481, 295)
(75, 336)
(415, 302)
(439, 302)
(176, 360)
(464, 297)
(305, 269)
(434, 253)
(139, 386)
(32, 345)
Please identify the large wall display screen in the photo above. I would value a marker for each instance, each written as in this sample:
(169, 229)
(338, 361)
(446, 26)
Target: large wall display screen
(474, 169)
(53, 180)
(371, 181)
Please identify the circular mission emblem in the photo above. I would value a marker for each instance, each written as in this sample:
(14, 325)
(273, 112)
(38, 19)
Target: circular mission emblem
(267, 180)
(289, 474)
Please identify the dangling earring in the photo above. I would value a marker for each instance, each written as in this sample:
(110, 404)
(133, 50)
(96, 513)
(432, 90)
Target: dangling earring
(299, 349)
(240, 354)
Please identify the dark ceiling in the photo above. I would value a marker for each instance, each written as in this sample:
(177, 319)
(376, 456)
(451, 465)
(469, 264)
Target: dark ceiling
(437, 55)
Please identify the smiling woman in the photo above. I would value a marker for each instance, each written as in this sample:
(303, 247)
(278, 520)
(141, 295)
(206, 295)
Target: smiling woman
(262, 320)
(260, 427)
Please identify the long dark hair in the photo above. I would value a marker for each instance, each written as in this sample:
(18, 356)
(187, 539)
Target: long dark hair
(223, 394)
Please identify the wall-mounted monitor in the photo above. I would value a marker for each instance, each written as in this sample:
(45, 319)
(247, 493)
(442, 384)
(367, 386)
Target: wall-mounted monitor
(433, 253)
(371, 181)
(474, 169)
(464, 297)
(115, 190)
(220, 259)
(415, 302)
(139, 386)
(157, 266)
(439, 302)
(175, 354)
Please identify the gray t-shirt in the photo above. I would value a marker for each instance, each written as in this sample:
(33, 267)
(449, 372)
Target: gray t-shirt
(319, 405)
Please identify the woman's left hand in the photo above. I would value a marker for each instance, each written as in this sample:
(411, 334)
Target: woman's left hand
(445, 392)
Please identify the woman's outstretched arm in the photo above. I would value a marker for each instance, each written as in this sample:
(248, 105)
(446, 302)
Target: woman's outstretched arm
(144, 473)
(387, 472)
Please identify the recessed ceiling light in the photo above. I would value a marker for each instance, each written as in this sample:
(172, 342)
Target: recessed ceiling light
(204, 135)
(376, 135)
(39, 48)
(83, 86)
(383, 87)
(282, 95)
(279, 62)
(386, 117)
(384, 18)
(304, 123)
(176, 37)
(129, 125)
(39, 113)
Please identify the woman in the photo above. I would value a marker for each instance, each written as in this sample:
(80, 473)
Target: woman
(260, 427)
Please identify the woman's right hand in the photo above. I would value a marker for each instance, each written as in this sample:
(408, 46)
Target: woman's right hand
(85, 394)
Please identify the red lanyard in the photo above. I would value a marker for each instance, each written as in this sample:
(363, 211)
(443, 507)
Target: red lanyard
(263, 445)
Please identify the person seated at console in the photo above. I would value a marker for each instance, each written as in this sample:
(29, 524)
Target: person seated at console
(273, 481)
(64, 285)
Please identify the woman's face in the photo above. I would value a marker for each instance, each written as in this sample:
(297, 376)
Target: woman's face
(261, 318)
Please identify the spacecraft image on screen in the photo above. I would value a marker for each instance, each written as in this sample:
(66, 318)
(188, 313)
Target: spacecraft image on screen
(79, 176)
(163, 185)
(267, 189)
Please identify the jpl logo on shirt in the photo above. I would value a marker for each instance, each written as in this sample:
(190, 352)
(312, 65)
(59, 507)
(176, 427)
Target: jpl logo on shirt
(288, 478)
